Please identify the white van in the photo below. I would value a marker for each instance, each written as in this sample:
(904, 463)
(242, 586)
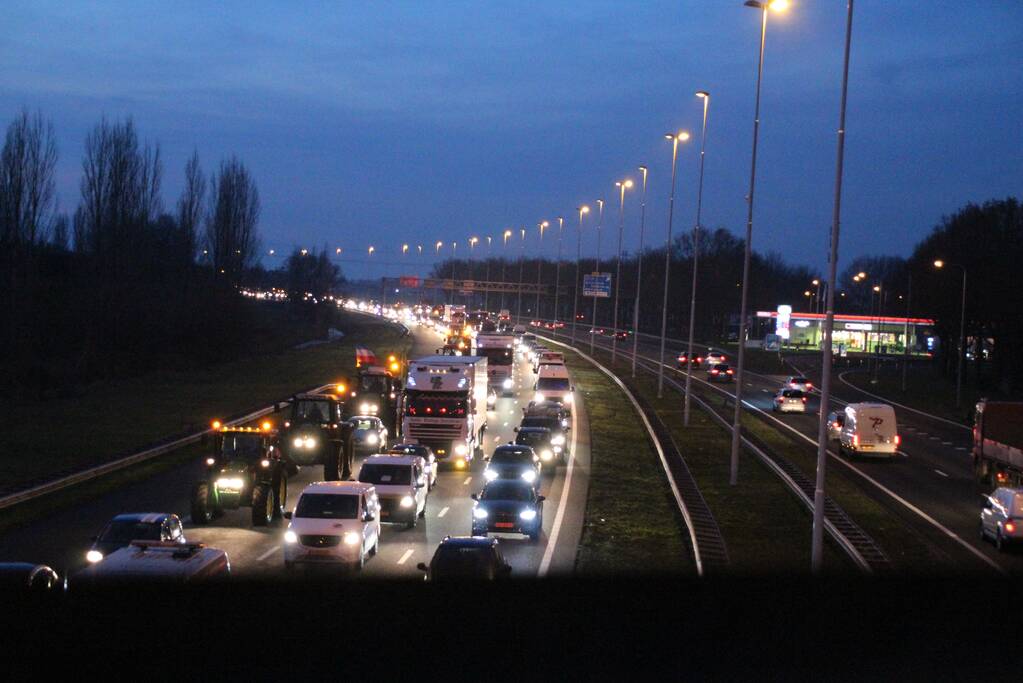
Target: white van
(869, 428)
(334, 522)
(548, 358)
(553, 386)
(401, 484)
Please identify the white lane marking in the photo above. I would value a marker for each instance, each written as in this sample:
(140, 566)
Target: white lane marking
(443, 512)
(941, 473)
(935, 438)
(559, 516)
(749, 384)
(766, 391)
(960, 448)
(467, 480)
(921, 433)
(404, 558)
(268, 553)
(946, 443)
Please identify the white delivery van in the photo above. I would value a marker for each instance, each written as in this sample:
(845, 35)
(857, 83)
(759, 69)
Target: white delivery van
(869, 429)
(553, 386)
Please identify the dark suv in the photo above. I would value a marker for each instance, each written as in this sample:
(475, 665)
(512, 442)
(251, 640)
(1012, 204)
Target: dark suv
(467, 558)
(540, 440)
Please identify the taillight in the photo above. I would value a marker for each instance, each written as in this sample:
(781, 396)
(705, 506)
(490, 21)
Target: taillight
(1001, 477)
(1010, 527)
(809, 386)
(898, 439)
(713, 372)
(804, 399)
(856, 440)
(837, 425)
(730, 372)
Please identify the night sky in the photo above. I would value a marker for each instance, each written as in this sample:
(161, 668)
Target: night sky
(383, 123)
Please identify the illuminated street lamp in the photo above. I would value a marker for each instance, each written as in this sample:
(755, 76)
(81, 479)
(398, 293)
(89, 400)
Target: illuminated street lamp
(522, 261)
(472, 271)
(705, 96)
(600, 223)
(539, 267)
(337, 251)
(777, 5)
(578, 283)
(622, 185)
(557, 272)
(639, 274)
(675, 138)
(939, 264)
(504, 264)
(486, 292)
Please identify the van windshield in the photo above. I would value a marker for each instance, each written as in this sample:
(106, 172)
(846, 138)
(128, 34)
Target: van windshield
(552, 384)
(392, 475)
(327, 506)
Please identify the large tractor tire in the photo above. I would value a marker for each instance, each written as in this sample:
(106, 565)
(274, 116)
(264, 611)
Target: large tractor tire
(202, 503)
(332, 464)
(262, 505)
(280, 496)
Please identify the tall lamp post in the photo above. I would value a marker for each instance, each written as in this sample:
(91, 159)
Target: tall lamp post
(472, 269)
(557, 272)
(622, 185)
(675, 138)
(504, 264)
(578, 282)
(962, 331)
(817, 533)
(522, 256)
(454, 255)
(539, 267)
(763, 6)
(600, 222)
(486, 291)
(639, 274)
(705, 96)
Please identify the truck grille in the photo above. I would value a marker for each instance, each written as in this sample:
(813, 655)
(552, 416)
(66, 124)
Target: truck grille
(320, 541)
(438, 432)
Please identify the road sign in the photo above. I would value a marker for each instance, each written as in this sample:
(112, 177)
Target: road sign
(597, 285)
(409, 281)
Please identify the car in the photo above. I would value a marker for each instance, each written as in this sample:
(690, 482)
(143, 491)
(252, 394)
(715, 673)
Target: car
(553, 386)
(713, 358)
(506, 506)
(245, 469)
(720, 372)
(835, 421)
(622, 334)
(541, 440)
(799, 382)
(516, 462)
(334, 523)
(556, 421)
(401, 485)
(120, 531)
(368, 433)
(17, 577)
(154, 561)
(466, 558)
(424, 452)
(1001, 518)
(869, 429)
(315, 433)
(519, 329)
(683, 360)
(547, 357)
(789, 401)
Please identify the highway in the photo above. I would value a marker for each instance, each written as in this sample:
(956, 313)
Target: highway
(930, 487)
(60, 540)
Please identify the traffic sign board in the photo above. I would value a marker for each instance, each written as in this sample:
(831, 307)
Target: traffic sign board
(597, 285)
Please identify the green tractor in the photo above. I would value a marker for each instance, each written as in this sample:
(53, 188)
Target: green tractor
(245, 469)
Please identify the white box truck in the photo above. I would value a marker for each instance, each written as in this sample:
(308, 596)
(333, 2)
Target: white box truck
(445, 406)
(499, 350)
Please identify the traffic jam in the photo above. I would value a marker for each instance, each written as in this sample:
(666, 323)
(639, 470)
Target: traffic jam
(365, 459)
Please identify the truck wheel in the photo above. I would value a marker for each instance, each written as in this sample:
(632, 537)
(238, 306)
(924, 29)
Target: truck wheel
(262, 505)
(331, 465)
(201, 512)
(280, 496)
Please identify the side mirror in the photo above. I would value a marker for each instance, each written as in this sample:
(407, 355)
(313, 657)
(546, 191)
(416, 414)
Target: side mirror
(475, 496)
(368, 517)
(421, 566)
(288, 514)
(540, 499)
(420, 485)
(516, 429)
(987, 503)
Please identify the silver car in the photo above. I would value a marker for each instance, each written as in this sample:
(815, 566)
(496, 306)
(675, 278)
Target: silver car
(789, 401)
(1001, 518)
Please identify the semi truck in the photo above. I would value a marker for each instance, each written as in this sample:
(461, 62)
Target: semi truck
(445, 407)
(499, 351)
(454, 314)
(998, 442)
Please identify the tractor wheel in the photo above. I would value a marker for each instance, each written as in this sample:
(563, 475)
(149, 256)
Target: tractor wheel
(280, 496)
(262, 505)
(201, 508)
(331, 465)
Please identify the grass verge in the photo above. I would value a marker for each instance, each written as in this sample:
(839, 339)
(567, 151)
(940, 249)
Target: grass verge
(631, 522)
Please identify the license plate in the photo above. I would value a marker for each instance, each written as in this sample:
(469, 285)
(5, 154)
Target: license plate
(504, 525)
(385, 513)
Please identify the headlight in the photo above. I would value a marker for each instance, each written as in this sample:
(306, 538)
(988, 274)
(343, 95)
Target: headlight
(567, 398)
(538, 397)
(264, 462)
(371, 439)
(290, 536)
(564, 423)
(353, 538)
(558, 440)
(489, 474)
(232, 483)
(94, 556)
(528, 515)
(363, 407)
(310, 442)
(491, 399)
(479, 513)
(461, 449)
(546, 454)
(211, 461)
(558, 449)
(298, 442)
(406, 502)
(529, 476)
(508, 383)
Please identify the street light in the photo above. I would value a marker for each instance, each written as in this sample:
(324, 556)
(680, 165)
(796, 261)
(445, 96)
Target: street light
(504, 264)
(404, 249)
(472, 270)
(817, 533)
(639, 274)
(539, 267)
(675, 138)
(939, 264)
(622, 185)
(486, 287)
(778, 5)
(600, 223)
(578, 283)
(522, 261)
(705, 96)
(557, 273)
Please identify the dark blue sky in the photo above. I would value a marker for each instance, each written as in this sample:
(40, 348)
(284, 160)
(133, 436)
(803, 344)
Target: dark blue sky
(382, 123)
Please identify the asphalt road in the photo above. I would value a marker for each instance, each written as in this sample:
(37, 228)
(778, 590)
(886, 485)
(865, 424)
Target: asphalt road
(60, 540)
(930, 486)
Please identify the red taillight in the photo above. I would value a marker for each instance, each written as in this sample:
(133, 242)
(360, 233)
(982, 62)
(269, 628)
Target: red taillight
(1001, 477)
(856, 440)
(809, 385)
(1010, 527)
(898, 439)
(730, 372)
(713, 372)
(804, 399)
(429, 410)
(837, 425)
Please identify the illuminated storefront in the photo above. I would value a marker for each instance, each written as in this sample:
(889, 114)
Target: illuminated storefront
(852, 333)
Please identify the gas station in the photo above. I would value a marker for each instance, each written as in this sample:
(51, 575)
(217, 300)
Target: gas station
(852, 333)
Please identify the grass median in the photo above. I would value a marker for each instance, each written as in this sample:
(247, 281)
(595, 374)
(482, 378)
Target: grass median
(632, 524)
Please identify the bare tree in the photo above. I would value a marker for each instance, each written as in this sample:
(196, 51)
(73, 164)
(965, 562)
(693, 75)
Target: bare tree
(231, 224)
(27, 164)
(192, 205)
(61, 235)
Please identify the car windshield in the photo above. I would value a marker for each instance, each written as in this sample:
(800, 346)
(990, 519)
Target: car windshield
(792, 393)
(373, 384)
(531, 437)
(499, 490)
(310, 410)
(242, 446)
(552, 384)
(467, 562)
(548, 422)
(507, 456)
(798, 380)
(327, 506)
(392, 475)
(126, 531)
(426, 404)
(364, 425)
(496, 356)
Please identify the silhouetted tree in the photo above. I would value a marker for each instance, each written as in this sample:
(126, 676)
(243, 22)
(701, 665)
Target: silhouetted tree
(231, 225)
